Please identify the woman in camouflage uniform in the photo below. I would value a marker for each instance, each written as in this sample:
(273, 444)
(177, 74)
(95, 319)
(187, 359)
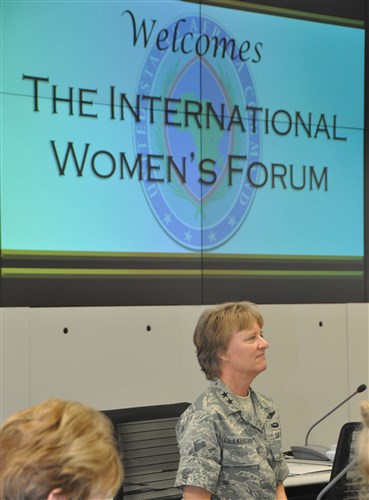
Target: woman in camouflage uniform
(230, 437)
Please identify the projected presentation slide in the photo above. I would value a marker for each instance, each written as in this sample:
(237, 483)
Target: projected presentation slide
(168, 141)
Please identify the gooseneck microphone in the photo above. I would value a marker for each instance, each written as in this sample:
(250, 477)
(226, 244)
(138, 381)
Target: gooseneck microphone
(361, 388)
(317, 452)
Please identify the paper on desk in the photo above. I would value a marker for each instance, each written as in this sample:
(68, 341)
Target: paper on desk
(297, 468)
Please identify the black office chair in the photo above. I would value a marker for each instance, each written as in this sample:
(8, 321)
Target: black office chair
(148, 446)
(346, 482)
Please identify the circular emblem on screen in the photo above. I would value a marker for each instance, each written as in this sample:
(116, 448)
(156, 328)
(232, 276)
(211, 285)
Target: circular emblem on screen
(196, 138)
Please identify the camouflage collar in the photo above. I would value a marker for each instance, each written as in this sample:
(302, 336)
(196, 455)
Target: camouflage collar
(263, 408)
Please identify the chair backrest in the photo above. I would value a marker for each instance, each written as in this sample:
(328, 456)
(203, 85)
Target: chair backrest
(351, 485)
(148, 447)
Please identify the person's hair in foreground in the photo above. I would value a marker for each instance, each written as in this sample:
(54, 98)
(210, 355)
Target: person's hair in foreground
(363, 442)
(214, 330)
(58, 449)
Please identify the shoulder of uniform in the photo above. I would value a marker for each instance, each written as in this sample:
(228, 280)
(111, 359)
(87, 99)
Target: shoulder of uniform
(264, 400)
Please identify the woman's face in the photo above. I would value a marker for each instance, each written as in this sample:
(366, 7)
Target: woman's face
(246, 351)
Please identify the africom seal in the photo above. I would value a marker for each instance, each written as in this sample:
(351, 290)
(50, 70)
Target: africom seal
(203, 137)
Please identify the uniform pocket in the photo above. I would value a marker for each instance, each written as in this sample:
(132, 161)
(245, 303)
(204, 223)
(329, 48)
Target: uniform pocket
(241, 454)
(240, 466)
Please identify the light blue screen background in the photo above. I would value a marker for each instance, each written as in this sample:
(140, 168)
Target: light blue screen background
(306, 66)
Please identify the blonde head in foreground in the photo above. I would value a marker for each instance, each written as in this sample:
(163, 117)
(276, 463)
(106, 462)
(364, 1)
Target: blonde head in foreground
(58, 450)
(363, 443)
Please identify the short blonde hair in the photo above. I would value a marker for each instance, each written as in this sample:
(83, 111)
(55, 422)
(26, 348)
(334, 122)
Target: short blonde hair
(363, 441)
(58, 444)
(215, 328)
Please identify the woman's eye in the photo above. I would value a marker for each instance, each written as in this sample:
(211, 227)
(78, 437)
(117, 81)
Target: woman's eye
(253, 338)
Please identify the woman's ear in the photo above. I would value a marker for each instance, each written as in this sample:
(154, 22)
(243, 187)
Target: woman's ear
(222, 356)
(56, 494)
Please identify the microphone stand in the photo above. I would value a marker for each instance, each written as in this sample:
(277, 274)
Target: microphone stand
(336, 479)
(327, 415)
(318, 452)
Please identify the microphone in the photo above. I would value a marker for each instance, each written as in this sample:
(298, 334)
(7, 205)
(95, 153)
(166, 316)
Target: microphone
(316, 452)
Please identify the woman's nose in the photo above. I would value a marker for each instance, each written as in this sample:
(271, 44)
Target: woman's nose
(263, 344)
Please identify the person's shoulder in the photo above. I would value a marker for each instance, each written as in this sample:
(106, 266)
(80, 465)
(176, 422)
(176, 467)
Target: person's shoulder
(263, 399)
(206, 406)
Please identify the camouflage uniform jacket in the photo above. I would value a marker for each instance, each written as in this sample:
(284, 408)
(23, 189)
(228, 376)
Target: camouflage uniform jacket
(233, 455)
